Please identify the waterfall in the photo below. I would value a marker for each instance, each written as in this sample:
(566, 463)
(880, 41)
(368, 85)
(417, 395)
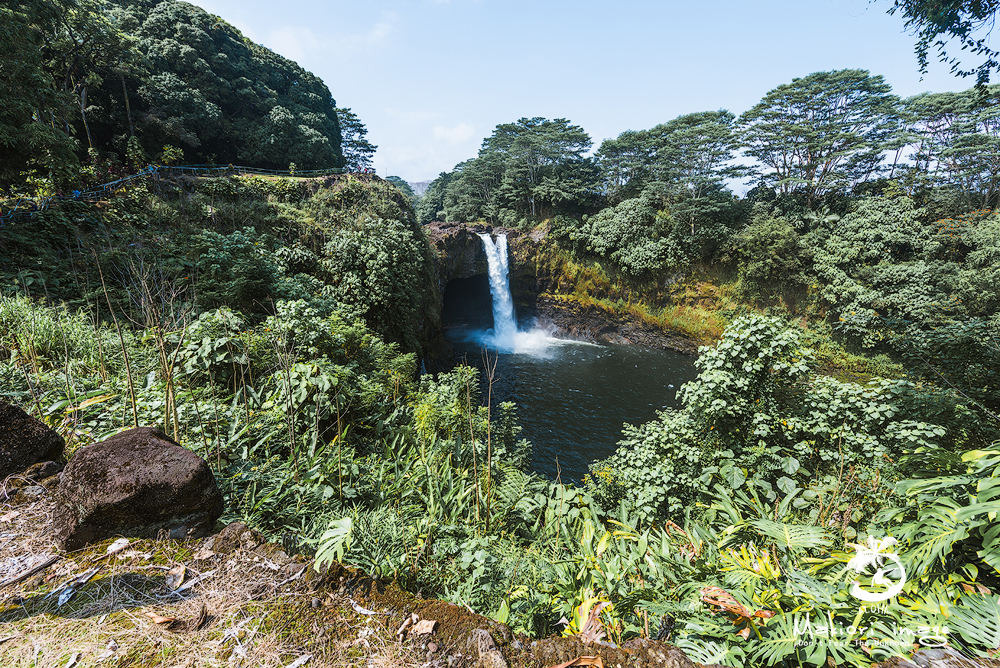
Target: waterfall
(504, 325)
(505, 336)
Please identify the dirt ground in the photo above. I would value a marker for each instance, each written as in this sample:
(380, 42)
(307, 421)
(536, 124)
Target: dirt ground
(232, 599)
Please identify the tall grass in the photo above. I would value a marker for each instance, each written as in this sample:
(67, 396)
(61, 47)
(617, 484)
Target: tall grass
(53, 337)
(702, 325)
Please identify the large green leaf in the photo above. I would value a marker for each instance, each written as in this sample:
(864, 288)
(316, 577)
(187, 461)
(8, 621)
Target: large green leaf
(793, 536)
(977, 619)
(786, 641)
(933, 535)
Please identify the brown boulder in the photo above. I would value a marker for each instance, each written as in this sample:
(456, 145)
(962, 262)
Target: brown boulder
(136, 483)
(24, 441)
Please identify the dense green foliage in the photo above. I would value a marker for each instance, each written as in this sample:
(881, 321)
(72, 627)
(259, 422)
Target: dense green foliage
(139, 80)
(319, 434)
(276, 326)
(350, 243)
(262, 322)
(531, 168)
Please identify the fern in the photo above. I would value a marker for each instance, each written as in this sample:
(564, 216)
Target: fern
(513, 486)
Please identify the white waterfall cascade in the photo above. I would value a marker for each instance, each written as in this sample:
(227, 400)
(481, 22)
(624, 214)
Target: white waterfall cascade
(505, 336)
(504, 325)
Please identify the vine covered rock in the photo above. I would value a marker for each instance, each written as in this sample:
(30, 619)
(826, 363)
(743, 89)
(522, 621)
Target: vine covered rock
(137, 483)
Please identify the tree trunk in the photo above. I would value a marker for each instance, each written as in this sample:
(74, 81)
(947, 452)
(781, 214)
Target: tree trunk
(83, 114)
(128, 108)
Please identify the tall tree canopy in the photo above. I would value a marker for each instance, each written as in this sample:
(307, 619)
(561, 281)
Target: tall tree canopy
(128, 77)
(431, 204)
(627, 163)
(684, 162)
(958, 143)
(824, 132)
(51, 52)
(693, 152)
(529, 169)
(218, 95)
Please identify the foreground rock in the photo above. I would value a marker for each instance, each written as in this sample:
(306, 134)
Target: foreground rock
(136, 483)
(24, 441)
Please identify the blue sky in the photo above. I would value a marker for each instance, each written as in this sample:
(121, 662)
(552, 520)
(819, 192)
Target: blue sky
(431, 78)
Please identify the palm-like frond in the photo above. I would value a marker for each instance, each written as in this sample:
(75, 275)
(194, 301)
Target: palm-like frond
(933, 535)
(782, 641)
(805, 588)
(991, 547)
(713, 652)
(793, 536)
(786, 637)
(977, 619)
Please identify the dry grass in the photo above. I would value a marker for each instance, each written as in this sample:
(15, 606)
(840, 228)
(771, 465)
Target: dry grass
(700, 324)
(255, 612)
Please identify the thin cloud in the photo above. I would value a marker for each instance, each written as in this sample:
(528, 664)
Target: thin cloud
(300, 43)
(459, 134)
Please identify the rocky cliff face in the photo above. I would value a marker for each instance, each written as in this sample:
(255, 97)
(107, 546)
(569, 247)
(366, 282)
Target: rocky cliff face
(460, 255)
(459, 252)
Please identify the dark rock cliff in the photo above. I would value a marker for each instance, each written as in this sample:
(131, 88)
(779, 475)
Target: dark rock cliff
(460, 255)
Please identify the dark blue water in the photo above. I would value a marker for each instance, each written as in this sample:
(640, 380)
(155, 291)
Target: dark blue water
(573, 398)
(573, 405)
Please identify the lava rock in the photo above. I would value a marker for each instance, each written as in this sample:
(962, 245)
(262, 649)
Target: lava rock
(947, 657)
(136, 483)
(33, 492)
(42, 470)
(25, 440)
(235, 536)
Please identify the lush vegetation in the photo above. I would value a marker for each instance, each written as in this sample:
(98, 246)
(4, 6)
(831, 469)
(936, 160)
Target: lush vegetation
(323, 435)
(843, 428)
(114, 85)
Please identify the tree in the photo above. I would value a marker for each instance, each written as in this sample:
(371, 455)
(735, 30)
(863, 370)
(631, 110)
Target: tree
(538, 156)
(525, 170)
(403, 187)
(693, 159)
(221, 96)
(85, 41)
(685, 162)
(472, 193)
(357, 150)
(959, 142)
(626, 163)
(693, 153)
(31, 105)
(431, 205)
(823, 133)
(934, 22)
